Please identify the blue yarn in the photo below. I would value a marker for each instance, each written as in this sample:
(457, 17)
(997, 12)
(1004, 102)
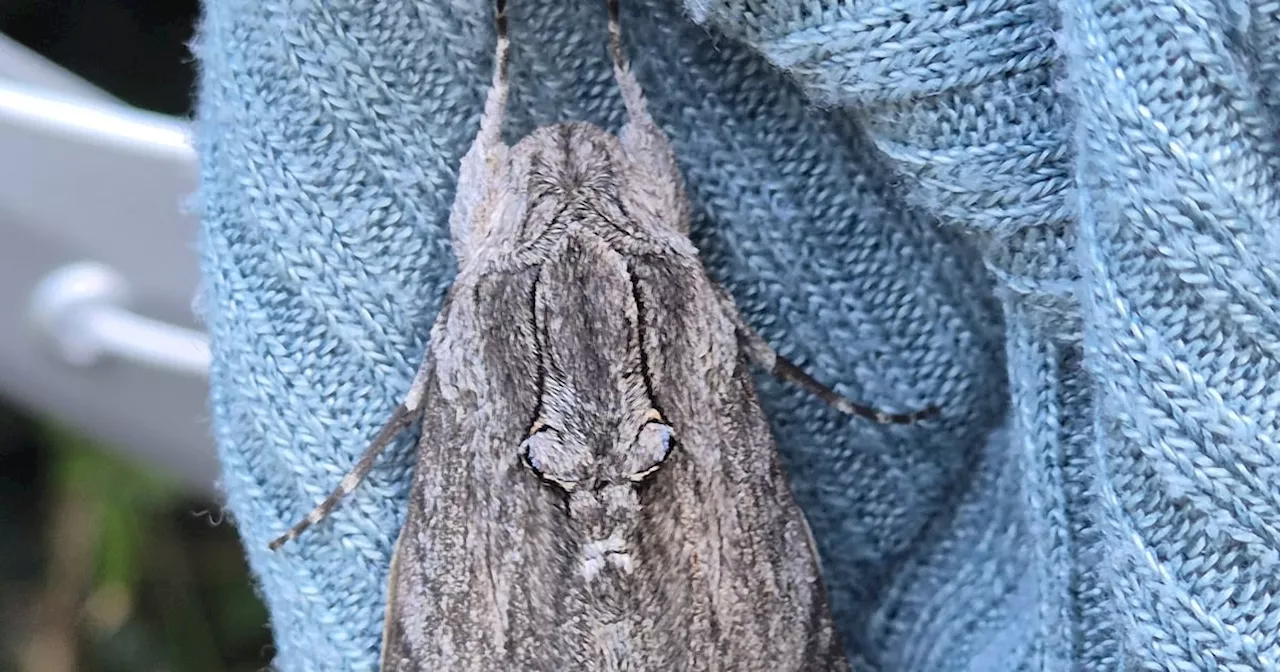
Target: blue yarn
(1056, 220)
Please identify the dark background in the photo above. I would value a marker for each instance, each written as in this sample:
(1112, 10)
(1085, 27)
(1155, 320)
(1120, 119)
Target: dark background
(134, 49)
(106, 566)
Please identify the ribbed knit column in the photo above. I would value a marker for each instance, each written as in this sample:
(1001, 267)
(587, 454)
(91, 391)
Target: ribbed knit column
(1115, 162)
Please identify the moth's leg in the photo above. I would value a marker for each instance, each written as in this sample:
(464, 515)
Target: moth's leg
(390, 638)
(403, 416)
(644, 143)
(480, 163)
(762, 354)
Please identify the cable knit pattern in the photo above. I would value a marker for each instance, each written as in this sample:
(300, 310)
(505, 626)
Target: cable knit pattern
(1118, 171)
(1062, 214)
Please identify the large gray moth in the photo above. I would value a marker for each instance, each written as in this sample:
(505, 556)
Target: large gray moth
(597, 487)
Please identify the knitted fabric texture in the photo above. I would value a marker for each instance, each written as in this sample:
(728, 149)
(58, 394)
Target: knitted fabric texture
(1050, 218)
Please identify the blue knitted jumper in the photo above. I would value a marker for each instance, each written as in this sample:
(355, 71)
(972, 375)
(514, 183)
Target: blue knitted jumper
(1057, 220)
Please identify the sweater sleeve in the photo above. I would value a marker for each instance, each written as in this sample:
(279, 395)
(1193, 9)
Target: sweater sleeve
(329, 135)
(1115, 163)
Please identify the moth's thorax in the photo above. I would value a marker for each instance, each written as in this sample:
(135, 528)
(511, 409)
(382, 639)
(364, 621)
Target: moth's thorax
(597, 436)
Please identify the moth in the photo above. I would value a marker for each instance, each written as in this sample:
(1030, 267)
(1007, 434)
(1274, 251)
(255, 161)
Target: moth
(597, 487)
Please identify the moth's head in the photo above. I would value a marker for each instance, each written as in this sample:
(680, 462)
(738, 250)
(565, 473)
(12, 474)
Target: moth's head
(567, 163)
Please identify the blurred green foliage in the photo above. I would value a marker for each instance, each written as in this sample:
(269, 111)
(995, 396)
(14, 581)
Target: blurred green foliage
(132, 574)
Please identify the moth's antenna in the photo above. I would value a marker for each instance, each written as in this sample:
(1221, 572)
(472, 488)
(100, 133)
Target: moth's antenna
(632, 95)
(615, 36)
(495, 105)
(468, 218)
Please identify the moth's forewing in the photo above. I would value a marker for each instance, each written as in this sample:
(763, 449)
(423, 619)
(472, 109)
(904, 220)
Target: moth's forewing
(746, 538)
(480, 572)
